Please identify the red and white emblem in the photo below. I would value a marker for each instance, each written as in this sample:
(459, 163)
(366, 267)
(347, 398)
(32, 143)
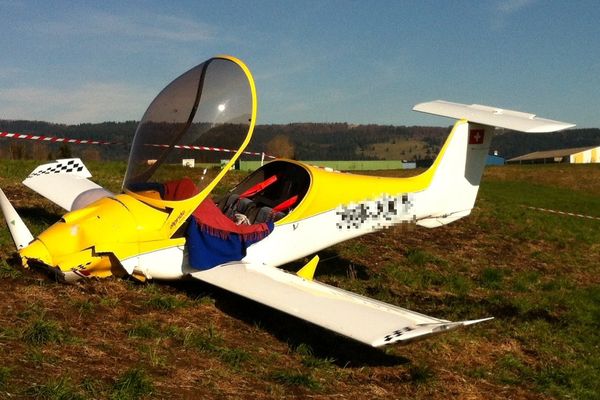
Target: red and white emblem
(476, 136)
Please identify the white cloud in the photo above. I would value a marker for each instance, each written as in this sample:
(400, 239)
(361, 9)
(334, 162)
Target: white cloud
(512, 6)
(90, 102)
(142, 25)
(506, 9)
(12, 3)
(162, 27)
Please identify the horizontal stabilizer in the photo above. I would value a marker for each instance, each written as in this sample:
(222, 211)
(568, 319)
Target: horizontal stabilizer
(366, 320)
(492, 116)
(19, 232)
(65, 183)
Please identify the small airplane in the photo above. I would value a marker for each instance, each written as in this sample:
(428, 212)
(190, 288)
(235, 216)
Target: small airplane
(165, 224)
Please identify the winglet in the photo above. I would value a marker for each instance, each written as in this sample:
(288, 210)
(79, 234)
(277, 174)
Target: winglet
(419, 331)
(19, 232)
(308, 271)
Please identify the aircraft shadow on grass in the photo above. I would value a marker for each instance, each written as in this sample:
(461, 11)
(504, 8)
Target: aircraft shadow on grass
(286, 328)
(332, 264)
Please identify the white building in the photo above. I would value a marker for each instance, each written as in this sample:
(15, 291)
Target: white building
(579, 155)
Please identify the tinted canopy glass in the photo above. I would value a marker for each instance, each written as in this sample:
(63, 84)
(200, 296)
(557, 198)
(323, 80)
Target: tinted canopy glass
(208, 106)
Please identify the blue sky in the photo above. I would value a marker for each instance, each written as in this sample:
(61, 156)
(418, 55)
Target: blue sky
(322, 61)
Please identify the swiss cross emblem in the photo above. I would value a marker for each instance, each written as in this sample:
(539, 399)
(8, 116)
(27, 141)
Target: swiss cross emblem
(476, 136)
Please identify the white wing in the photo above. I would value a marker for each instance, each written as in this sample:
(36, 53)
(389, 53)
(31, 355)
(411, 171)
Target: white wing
(369, 321)
(65, 183)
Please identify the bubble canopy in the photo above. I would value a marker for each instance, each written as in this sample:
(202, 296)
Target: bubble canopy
(211, 105)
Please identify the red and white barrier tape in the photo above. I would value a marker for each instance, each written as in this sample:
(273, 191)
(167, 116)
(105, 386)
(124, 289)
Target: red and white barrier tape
(563, 213)
(191, 147)
(53, 139)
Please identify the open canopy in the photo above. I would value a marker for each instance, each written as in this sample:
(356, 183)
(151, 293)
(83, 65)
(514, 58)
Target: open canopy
(211, 105)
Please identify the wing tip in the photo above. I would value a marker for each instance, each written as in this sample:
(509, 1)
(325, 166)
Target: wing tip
(410, 333)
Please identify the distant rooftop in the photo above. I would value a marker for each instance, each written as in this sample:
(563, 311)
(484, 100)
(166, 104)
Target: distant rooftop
(538, 155)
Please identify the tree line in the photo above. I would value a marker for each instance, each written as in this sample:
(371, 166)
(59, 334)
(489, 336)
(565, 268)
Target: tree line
(304, 141)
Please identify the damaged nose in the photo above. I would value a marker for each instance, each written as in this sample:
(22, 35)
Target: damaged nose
(35, 251)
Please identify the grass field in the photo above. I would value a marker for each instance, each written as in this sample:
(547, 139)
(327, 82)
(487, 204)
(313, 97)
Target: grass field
(536, 272)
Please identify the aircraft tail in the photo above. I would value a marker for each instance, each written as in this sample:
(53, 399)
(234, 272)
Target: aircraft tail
(457, 171)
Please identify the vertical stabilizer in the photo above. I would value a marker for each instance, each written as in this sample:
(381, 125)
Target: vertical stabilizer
(455, 182)
(19, 232)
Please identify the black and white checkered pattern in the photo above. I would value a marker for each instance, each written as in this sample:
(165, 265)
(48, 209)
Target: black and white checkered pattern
(59, 167)
(397, 333)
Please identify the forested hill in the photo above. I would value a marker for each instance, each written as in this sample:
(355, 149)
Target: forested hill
(305, 141)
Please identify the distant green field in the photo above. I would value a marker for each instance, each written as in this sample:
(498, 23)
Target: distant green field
(356, 165)
(536, 272)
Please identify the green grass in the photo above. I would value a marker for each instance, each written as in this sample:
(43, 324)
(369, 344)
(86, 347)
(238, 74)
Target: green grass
(526, 281)
(420, 257)
(17, 170)
(459, 285)
(165, 302)
(61, 388)
(109, 301)
(209, 341)
(144, 329)
(132, 385)
(93, 387)
(421, 374)
(8, 271)
(416, 276)
(205, 301)
(559, 327)
(511, 370)
(108, 174)
(538, 290)
(509, 202)
(205, 340)
(295, 379)
(233, 357)
(5, 373)
(310, 361)
(41, 331)
(153, 354)
(356, 249)
(84, 307)
(491, 278)
(536, 272)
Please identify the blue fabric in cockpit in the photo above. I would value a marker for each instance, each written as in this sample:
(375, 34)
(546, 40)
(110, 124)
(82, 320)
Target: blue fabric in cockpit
(209, 247)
